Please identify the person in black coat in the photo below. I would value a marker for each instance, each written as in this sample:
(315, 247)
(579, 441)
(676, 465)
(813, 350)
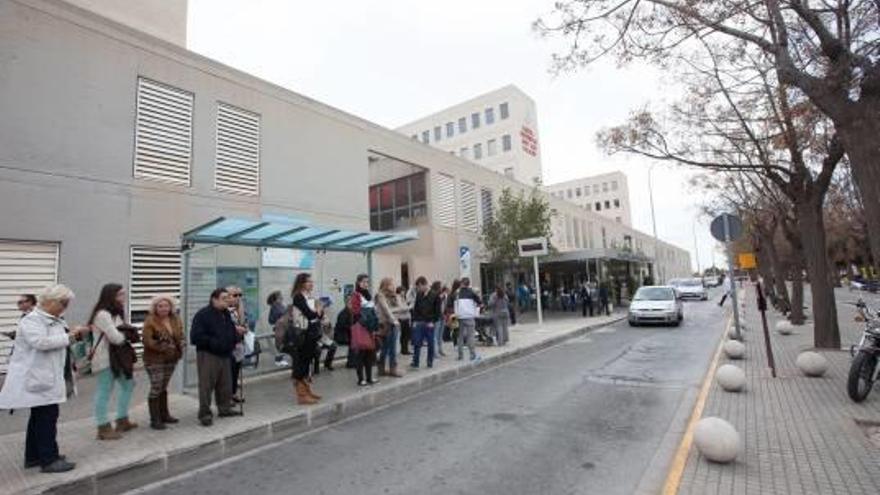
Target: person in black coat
(586, 299)
(214, 335)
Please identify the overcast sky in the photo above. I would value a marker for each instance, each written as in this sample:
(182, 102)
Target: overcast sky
(394, 61)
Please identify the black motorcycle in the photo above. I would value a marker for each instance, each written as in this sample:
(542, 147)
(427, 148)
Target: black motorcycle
(863, 370)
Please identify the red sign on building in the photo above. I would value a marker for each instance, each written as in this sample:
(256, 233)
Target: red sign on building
(529, 141)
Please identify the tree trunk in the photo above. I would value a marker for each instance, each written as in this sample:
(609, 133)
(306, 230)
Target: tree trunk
(860, 139)
(797, 295)
(811, 226)
(779, 272)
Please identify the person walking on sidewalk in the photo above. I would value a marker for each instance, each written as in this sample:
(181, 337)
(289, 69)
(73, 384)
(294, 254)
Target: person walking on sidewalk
(467, 307)
(365, 323)
(214, 335)
(603, 298)
(106, 320)
(440, 326)
(404, 304)
(511, 300)
(501, 308)
(387, 304)
(426, 312)
(163, 348)
(726, 287)
(308, 315)
(39, 377)
(586, 299)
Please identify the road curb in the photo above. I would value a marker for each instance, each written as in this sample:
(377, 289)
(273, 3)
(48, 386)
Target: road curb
(173, 462)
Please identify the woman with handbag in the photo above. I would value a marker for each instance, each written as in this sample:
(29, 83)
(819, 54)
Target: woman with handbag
(364, 324)
(389, 307)
(163, 348)
(105, 320)
(306, 316)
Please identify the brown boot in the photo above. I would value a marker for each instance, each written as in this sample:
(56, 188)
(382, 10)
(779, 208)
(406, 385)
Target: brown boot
(302, 394)
(106, 432)
(163, 409)
(311, 392)
(123, 425)
(156, 422)
(394, 373)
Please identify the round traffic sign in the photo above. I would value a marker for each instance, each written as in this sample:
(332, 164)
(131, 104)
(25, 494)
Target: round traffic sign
(726, 227)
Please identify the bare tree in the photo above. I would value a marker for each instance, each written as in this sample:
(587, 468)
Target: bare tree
(829, 50)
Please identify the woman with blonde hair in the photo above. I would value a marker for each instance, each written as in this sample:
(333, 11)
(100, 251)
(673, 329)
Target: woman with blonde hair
(389, 327)
(163, 348)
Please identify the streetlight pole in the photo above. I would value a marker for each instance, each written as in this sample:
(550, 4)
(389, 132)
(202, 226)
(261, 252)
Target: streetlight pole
(654, 223)
(697, 249)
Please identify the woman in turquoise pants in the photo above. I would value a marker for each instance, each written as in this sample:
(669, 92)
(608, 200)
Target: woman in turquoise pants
(105, 320)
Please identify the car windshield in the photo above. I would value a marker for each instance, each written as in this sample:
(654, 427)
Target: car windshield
(654, 294)
(692, 283)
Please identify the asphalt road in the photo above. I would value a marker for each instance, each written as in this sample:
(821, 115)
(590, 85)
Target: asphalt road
(586, 416)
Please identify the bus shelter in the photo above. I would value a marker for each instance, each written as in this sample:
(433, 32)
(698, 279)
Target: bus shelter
(263, 256)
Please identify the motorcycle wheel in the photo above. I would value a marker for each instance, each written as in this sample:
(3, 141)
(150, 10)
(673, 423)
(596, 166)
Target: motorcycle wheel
(861, 373)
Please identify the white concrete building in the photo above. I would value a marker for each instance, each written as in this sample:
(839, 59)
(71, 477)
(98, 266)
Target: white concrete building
(605, 194)
(497, 130)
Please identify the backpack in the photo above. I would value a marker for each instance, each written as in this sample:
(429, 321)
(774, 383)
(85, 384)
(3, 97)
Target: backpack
(290, 330)
(369, 318)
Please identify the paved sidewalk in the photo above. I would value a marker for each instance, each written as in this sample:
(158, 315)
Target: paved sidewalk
(798, 435)
(270, 415)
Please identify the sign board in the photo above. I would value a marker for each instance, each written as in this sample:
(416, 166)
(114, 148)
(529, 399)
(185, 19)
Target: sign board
(288, 258)
(464, 261)
(747, 261)
(726, 227)
(536, 246)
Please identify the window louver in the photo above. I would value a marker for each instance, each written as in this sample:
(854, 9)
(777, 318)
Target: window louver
(25, 268)
(469, 219)
(444, 200)
(486, 205)
(154, 270)
(163, 133)
(238, 151)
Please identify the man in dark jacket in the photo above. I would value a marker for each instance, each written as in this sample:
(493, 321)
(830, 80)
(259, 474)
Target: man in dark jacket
(511, 297)
(425, 313)
(214, 335)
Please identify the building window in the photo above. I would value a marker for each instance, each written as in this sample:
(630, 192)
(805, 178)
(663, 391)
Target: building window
(607, 204)
(586, 190)
(568, 194)
(478, 151)
(394, 203)
(426, 137)
(153, 271)
(415, 137)
(475, 120)
(438, 133)
(617, 203)
(462, 125)
(598, 206)
(491, 147)
(617, 219)
(490, 116)
(604, 187)
(450, 129)
(163, 133)
(595, 188)
(577, 192)
(614, 185)
(508, 172)
(237, 166)
(464, 152)
(506, 143)
(504, 111)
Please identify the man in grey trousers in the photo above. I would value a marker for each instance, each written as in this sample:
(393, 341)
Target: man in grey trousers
(467, 307)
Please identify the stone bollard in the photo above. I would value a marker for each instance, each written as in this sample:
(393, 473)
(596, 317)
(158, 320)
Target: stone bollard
(731, 378)
(784, 327)
(811, 363)
(734, 349)
(716, 439)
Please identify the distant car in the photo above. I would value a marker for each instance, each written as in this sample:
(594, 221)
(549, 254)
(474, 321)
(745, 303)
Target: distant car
(692, 288)
(860, 283)
(656, 304)
(711, 282)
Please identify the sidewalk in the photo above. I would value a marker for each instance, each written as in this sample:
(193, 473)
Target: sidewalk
(798, 435)
(271, 414)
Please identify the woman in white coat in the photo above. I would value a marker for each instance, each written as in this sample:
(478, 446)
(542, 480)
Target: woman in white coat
(36, 377)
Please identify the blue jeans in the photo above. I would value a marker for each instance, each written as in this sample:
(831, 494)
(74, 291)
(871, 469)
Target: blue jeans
(389, 347)
(423, 332)
(104, 387)
(438, 335)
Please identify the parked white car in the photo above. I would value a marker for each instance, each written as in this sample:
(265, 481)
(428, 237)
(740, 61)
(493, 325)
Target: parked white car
(656, 304)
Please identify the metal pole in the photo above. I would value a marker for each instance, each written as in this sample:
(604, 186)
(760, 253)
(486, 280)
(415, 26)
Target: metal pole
(538, 291)
(733, 297)
(697, 249)
(180, 384)
(762, 307)
(654, 224)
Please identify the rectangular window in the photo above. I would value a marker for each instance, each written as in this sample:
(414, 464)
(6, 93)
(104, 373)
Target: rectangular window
(475, 120)
(604, 187)
(586, 190)
(607, 205)
(478, 151)
(617, 219)
(450, 129)
(153, 271)
(464, 152)
(491, 147)
(617, 203)
(506, 144)
(25, 268)
(163, 133)
(394, 203)
(426, 137)
(444, 200)
(614, 185)
(469, 220)
(490, 116)
(598, 206)
(568, 194)
(577, 192)
(438, 133)
(504, 111)
(486, 205)
(462, 125)
(237, 169)
(595, 188)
